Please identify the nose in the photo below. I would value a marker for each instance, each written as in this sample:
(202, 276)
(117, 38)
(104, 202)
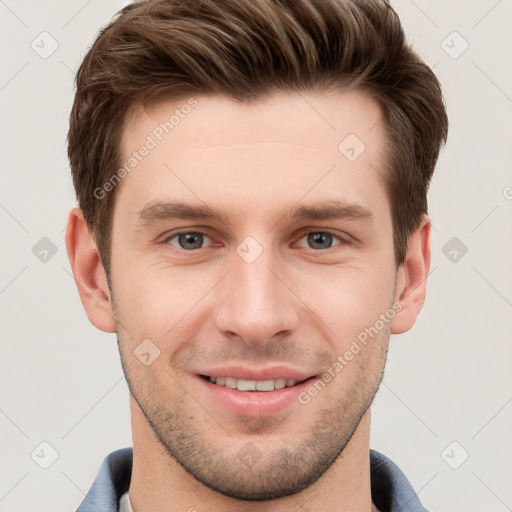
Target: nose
(257, 303)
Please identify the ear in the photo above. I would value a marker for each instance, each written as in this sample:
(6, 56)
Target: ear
(90, 276)
(412, 278)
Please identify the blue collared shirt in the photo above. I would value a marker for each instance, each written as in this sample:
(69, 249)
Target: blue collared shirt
(391, 491)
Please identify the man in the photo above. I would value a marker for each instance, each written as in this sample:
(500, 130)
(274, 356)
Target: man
(252, 224)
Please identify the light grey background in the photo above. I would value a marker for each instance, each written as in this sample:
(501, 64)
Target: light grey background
(448, 380)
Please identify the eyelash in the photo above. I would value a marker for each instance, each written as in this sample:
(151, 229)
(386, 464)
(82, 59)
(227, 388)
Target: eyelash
(342, 240)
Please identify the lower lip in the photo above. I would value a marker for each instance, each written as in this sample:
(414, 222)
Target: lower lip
(254, 404)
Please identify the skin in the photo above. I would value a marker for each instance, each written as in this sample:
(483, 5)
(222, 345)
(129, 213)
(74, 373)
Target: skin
(299, 303)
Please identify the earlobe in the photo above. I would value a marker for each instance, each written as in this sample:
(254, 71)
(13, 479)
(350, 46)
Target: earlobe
(88, 272)
(412, 278)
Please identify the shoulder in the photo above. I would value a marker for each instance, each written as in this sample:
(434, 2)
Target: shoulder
(391, 491)
(111, 482)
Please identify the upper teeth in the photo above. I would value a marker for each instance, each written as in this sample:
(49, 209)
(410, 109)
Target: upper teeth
(252, 385)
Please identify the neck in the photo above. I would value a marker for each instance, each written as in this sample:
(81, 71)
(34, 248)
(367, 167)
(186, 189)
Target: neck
(158, 482)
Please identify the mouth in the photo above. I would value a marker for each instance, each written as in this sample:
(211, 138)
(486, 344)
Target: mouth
(247, 391)
(253, 385)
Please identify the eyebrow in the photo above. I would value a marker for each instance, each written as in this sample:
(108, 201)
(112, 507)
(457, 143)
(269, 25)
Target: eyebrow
(156, 211)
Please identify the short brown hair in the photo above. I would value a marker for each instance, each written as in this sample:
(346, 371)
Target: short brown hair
(246, 49)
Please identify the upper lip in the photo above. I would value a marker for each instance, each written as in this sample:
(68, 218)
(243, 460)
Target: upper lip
(268, 373)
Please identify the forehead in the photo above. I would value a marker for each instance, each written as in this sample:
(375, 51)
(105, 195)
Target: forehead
(287, 117)
(211, 146)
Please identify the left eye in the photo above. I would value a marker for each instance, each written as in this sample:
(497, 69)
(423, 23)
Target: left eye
(321, 239)
(189, 240)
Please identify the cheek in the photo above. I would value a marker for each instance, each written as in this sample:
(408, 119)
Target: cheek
(348, 300)
(162, 304)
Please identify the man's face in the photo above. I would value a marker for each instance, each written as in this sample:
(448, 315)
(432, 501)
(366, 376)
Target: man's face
(260, 295)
